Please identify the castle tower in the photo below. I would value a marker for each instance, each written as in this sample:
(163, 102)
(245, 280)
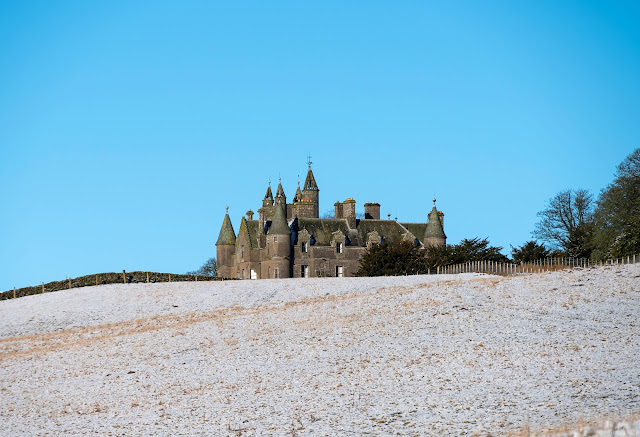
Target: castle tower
(225, 248)
(434, 233)
(311, 192)
(278, 246)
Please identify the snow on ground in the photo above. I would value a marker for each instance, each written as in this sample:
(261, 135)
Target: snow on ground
(449, 354)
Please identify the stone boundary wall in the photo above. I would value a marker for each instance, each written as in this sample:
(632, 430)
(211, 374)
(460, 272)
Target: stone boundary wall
(101, 279)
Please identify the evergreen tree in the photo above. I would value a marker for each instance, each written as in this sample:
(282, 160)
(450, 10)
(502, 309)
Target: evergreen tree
(529, 251)
(404, 258)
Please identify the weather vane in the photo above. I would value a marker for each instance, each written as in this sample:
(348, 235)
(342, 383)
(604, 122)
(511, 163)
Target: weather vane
(309, 160)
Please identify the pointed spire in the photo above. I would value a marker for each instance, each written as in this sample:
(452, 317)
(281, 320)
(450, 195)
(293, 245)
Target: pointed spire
(269, 194)
(280, 192)
(310, 182)
(279, 224)
(298, 196)
(434, 226)
(227, 234)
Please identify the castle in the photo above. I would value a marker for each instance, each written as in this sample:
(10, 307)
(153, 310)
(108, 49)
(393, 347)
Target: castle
(290, 240)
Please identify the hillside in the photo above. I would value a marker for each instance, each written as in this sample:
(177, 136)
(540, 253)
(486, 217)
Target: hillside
(452, 354)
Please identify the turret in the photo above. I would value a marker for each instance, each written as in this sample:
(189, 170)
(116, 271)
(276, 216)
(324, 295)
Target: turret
(311, 192)
(268, 197)
(278, 245)
(434, 235)
(281, 198)
(225, 248)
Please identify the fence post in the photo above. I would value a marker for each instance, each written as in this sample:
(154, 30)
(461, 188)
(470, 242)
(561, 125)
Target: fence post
(124, 277)
(197, 275)
(96, 279)
(169, 277)
(69, 283)
(43, 287)
(14, 292)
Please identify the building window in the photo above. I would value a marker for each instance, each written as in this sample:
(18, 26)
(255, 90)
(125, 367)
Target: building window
(268, 272)
(243, 277)
(339, 271)
(275, 239)
(339, 247)
(242, 249)
(305, 247)
(275, 273)
(304, 271)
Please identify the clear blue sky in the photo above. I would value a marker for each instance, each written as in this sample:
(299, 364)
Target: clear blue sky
(126, 127)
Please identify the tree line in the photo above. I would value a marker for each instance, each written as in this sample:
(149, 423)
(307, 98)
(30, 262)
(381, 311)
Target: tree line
(573, 224)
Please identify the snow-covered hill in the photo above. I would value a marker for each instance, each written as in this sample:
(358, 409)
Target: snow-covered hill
(449, 354)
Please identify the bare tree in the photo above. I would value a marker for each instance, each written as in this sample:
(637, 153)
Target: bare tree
(209, 268)
(567, 222)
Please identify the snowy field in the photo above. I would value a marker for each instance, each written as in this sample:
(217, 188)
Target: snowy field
(422, 355)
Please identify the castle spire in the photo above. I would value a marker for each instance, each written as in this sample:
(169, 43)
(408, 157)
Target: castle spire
(269, 194)
(298, 196)
(280, 192)
(310, 182)
(227, 234)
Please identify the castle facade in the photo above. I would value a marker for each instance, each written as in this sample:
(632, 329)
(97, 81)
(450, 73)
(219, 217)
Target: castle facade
(290, 240)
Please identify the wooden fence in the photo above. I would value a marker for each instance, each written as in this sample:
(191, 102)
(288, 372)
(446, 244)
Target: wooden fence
(542, 265)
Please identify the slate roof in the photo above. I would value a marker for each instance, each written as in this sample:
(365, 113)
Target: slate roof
(279, 223)
(322, 230)
(227, 234)
(310, 182)
(434, 226)
(416, 229)
(389, 230)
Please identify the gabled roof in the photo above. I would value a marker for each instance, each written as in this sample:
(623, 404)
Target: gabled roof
(389, 230)
(416, 229)
(251, 227)
(227, 234)
(279, 224)
(310, 182)
(322, 229)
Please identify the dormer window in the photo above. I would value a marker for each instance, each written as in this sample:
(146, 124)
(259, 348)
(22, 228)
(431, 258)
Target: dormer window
(339, 247)
(305, 247)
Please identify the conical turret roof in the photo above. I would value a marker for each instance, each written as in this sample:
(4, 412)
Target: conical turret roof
(279, 223)
(227, 234)
(434, 226)
(310, 182)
